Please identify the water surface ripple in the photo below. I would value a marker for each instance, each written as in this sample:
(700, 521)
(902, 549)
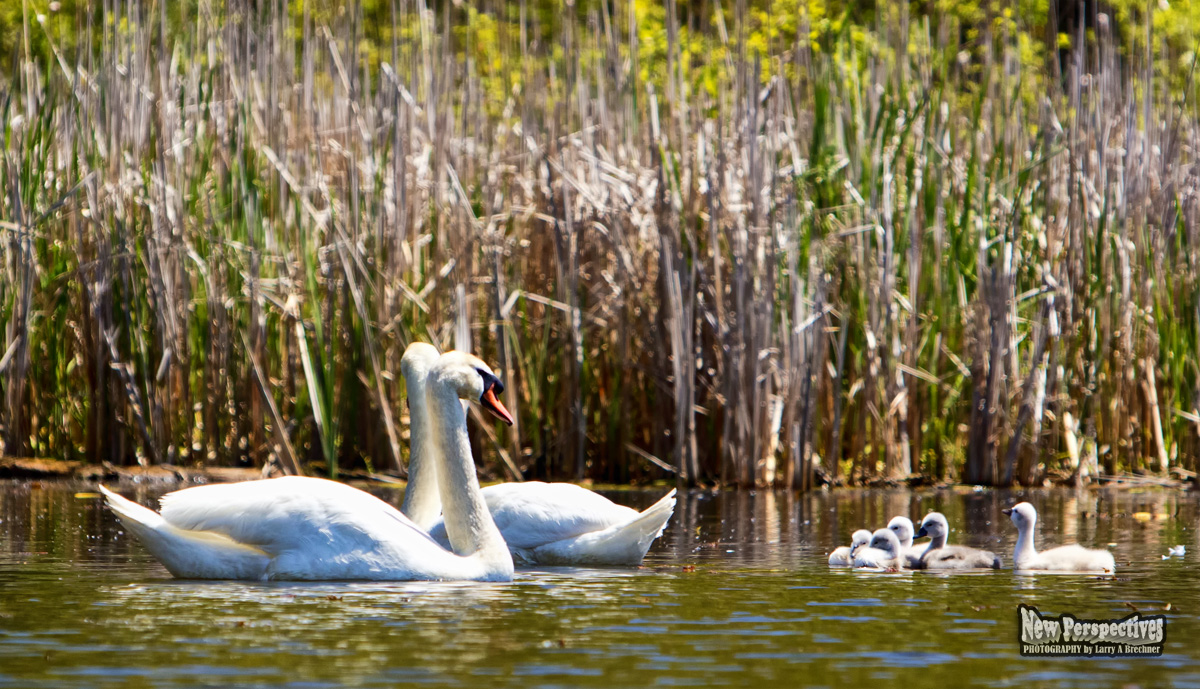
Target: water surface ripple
(736, 593)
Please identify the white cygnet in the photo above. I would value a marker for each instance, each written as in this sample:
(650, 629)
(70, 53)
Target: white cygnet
(843, 556)
(1067, 558)
(882, 553)
(939, 555)
(903, 528)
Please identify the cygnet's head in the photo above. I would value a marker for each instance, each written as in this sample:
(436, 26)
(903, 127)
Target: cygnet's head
(1023, 515)
(903, 528)
(470, 379)
(885, 540)
(933, 525)
(858, 539)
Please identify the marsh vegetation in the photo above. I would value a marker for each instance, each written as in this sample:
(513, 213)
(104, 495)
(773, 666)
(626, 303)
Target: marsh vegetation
(748, 242)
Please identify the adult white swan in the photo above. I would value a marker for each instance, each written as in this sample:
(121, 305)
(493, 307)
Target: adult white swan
(542, 523)
(313, 529)
(1067, 558)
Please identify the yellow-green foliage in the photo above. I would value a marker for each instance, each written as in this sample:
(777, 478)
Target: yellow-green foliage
(47, 28)
(772, 28)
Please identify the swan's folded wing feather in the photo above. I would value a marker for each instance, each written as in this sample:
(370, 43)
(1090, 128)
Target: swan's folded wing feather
(532, 514)
(290, 513)
(960, 557)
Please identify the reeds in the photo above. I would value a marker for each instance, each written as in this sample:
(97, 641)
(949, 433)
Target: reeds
(702, 240)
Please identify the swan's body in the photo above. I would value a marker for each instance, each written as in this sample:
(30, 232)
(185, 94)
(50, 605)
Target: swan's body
(1067, 558)
(566, 524)
(843, 556)
(286, 528)
(939, 555)
(313, 529)
(882, 553)
(903, 528)
(542, 523)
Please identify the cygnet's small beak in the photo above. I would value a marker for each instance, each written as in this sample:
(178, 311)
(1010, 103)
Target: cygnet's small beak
(1007, 511)
(921, 533)
(490, 402)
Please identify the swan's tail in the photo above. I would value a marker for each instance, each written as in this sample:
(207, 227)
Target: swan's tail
(620, 545)
(188, 554)
(651, 522)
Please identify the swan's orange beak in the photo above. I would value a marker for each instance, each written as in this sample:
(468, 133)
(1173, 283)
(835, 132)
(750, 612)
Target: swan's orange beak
(490, 402)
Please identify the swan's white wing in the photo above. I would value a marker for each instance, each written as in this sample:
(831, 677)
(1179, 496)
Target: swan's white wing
(532, 514)
(290, 514)
(319, 530)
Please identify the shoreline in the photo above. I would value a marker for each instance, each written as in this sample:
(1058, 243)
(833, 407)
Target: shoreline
(60, 470)
(45, 469)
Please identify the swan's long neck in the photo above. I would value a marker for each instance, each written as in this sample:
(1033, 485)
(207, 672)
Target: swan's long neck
(469, 525)
(935, 542)
(422, 504)
(1024, 549)
(938, 541)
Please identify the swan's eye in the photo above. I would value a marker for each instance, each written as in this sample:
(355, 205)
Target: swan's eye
(490, 382)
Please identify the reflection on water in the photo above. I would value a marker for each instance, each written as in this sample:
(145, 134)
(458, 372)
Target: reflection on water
(736, 593)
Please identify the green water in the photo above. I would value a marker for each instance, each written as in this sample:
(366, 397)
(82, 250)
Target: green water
(736, 593)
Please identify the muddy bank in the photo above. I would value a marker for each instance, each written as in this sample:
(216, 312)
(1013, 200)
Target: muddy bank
(37, 468)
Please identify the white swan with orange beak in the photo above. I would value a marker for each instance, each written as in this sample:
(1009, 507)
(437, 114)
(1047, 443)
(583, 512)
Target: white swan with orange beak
(542, 523)
(312, 529)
